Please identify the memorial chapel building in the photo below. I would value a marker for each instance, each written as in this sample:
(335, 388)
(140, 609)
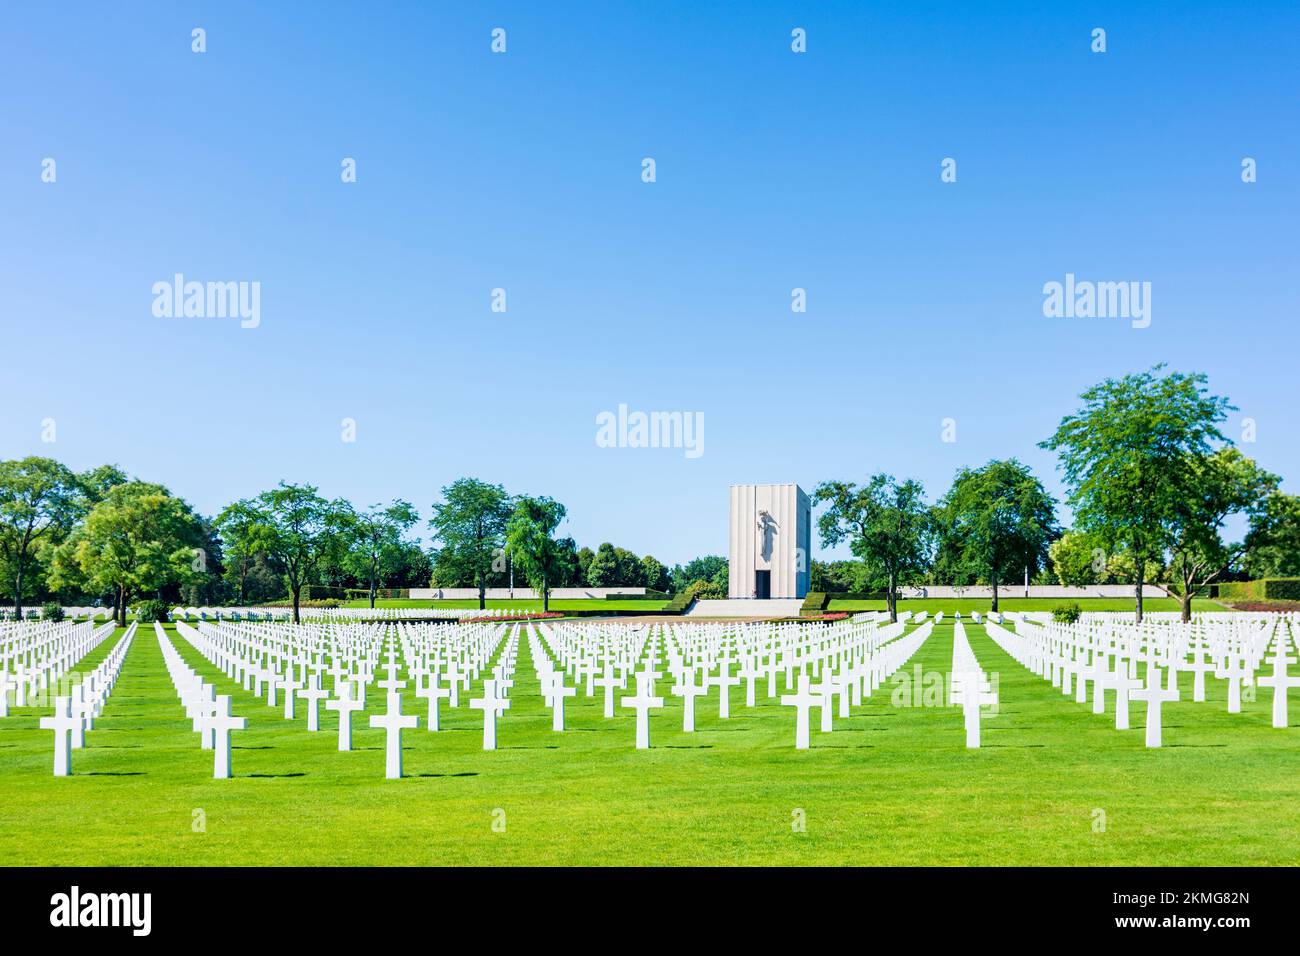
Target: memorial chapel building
(771, 542)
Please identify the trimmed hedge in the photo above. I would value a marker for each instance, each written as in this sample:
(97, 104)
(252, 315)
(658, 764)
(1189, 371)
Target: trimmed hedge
(1265, 589)
(814, 603)
(1282, 589)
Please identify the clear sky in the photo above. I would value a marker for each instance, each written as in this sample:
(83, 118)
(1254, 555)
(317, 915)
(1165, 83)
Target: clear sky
(522, 171)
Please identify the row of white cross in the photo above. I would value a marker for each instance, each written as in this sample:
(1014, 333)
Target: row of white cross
(34, 658)
(209, 711)
(75, 713)
(969, 687)
(1076, 658)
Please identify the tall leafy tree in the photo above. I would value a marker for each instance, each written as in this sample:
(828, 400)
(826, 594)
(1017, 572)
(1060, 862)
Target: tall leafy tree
(95, 483)
(136, 540)
(530, 537)
(376, 541)
(238, 525)
(469, 526)
(613, 567)
(710, 567)
(1078, 559)
(842, 577)
(300, 530)
(887, 524)
(1273, 541)
(654, 575)
(1220, 485)
(39, 503)
(1128, 456)
(1002, 519)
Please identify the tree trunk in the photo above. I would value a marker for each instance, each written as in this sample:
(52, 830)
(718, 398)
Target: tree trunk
(891, 599)
(296, 591)
(995, 590)
(1137, 588)
(121, 603)
(1189, 588)
(546, 595)
(373, 588)
(18, 592)
(482, 592)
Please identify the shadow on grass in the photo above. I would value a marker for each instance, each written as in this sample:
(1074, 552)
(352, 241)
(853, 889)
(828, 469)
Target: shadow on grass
(112, 773)
(465, 773)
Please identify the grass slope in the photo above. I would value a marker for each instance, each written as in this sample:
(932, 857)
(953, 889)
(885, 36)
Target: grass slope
(891, 785)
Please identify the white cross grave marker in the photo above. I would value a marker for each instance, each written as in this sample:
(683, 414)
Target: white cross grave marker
(63, 724)
(394, 722)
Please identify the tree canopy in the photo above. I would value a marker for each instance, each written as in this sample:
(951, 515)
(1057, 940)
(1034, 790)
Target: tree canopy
(1130, 455)
(887, 524)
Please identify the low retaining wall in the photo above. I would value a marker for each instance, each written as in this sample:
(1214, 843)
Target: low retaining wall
(983, 591)
(520, 594)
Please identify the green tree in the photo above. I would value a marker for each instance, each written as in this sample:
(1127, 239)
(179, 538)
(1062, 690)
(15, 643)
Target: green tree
(887, 524)
(1078, 559)
(653, 574)
(1220, 485)
(38, 504)
(1128, 456)
(1273, 541)
(375, 538)
(585, 557)
(602, 572)
(95, 484)
(136, 540)
(238, 525)
(838, 577)
(530, 538)
(710, 567)
(1003, 519)
(470, 526)
(299, 529)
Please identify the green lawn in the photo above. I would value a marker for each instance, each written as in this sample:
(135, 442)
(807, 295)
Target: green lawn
(891, 785)
(577, 604)
(952, 605)
(966, 605)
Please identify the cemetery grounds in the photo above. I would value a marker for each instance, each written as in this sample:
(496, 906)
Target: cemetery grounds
(1053, 784)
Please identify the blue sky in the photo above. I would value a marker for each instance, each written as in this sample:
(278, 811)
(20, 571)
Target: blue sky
(522, 171)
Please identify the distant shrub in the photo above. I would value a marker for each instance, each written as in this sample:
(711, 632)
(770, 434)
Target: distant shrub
(52, 611)
(1282, 589)
(150, 611)
(1066, 613)
(703, 590)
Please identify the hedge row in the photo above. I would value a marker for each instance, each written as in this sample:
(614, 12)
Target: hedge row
(1265, 589)
(814, 603)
